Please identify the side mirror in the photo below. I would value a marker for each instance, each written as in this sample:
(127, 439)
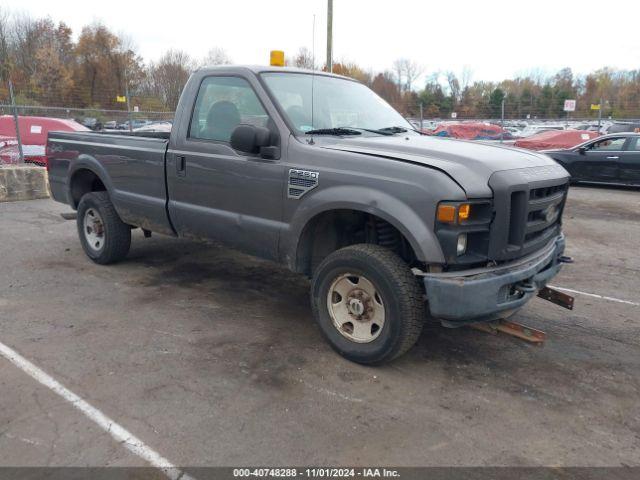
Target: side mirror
(251, 139)
(582, 150)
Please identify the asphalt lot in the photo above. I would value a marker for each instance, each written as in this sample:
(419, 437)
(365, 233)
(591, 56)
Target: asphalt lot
(212, 358)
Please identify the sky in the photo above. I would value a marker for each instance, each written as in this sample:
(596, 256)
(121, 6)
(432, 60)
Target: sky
(494, 39)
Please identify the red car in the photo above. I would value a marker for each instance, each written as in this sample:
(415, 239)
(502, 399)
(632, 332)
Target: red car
(33, 133)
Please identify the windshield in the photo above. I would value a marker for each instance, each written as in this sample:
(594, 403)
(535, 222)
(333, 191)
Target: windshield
(338, 103)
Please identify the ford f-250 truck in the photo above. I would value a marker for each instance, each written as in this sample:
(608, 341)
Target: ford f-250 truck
(317, 172)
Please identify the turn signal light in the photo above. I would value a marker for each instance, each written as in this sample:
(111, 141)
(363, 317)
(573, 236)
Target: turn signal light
(451, 213)
(446, 213)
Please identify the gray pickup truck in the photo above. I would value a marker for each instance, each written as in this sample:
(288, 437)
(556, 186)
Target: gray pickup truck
(317, 172)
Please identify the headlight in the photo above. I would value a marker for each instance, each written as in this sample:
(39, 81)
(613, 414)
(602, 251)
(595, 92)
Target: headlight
(463, 228)
(462, 244)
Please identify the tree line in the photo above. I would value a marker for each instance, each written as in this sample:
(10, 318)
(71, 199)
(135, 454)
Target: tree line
(49, 68)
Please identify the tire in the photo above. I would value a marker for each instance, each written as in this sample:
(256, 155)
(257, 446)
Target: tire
(397, 294)
(104, 237)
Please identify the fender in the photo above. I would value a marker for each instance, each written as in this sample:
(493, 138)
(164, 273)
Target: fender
(348, 197)
(87, 162)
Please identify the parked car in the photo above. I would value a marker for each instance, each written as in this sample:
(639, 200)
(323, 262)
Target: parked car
(155, 127)
(613, 159)
(346, 192)
(471, 131)
(621, 127)
(555, 139)
(33, 134)
(110, 125)
(135, 123)
(534, 129)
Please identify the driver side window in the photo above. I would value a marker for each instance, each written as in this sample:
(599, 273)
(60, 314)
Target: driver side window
(608, 144)
(222, 104)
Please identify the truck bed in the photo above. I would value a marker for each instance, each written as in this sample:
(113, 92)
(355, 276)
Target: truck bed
(131, 166)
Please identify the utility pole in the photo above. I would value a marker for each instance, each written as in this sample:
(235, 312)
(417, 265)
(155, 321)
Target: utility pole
(330, 35)
(502, 122)
(15, 119)
(421, 118)
(600, 115)
(126, 92)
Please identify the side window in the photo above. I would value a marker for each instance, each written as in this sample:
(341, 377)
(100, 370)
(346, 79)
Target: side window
(635, 144)
(222, 104)
(614, 144)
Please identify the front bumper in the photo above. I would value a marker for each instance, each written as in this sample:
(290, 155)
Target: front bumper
(490, 293)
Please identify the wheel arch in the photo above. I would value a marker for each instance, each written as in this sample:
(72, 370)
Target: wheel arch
(312, 223)
(86, 175)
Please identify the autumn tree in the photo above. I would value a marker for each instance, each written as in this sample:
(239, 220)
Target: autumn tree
(384, 85)
(105, 69)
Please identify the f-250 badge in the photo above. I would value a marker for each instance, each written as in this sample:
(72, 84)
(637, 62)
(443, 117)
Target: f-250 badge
(300, 182)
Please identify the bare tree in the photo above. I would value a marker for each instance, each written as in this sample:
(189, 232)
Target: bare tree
(407, 72)
(466, 77)
(216, 56)
(303, 59)
(5, 61)
(167, 77)
(454, 86)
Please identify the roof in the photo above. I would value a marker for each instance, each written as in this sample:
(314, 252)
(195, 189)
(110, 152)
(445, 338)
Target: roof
(257, 69)
(621, 134)
(551, 139)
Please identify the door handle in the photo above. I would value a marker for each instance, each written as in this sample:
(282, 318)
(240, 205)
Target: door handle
(613, 158)
(181, 165)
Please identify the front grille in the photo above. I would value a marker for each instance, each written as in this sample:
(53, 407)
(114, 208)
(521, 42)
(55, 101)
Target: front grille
(546, 191)
(528, 212)
(544, 210)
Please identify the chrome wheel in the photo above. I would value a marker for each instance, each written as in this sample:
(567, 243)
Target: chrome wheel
(356, 308)
(93, 228)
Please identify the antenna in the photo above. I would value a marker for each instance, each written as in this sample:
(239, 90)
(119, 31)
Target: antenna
(313, 70)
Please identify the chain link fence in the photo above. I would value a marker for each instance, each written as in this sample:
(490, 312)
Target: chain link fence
(24, 124)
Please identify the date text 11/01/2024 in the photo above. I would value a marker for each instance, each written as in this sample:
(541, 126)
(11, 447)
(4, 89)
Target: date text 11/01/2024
(316, 472)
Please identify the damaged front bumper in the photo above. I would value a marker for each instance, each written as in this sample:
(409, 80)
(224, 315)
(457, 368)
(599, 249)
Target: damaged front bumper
(484, 294)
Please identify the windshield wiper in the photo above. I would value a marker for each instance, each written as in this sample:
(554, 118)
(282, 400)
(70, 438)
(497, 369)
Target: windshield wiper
(333, 131)
(371, 130)
(393, 129)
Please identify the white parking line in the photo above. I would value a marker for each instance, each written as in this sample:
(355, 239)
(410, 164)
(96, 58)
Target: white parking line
(119, 433)
(602, 297)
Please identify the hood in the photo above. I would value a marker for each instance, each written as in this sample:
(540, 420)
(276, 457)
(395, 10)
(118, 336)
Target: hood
(470, 164)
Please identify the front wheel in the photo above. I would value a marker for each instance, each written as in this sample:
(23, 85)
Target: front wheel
(367, 303)
(104, 237)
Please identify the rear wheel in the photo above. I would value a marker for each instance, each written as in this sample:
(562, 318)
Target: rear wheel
(104, 237)
(367, 303)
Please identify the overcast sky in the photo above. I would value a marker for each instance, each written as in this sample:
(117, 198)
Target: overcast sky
(496, 39)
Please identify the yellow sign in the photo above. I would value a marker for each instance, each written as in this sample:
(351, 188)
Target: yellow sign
(595, 106)
(121, 99)
(277, 58)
